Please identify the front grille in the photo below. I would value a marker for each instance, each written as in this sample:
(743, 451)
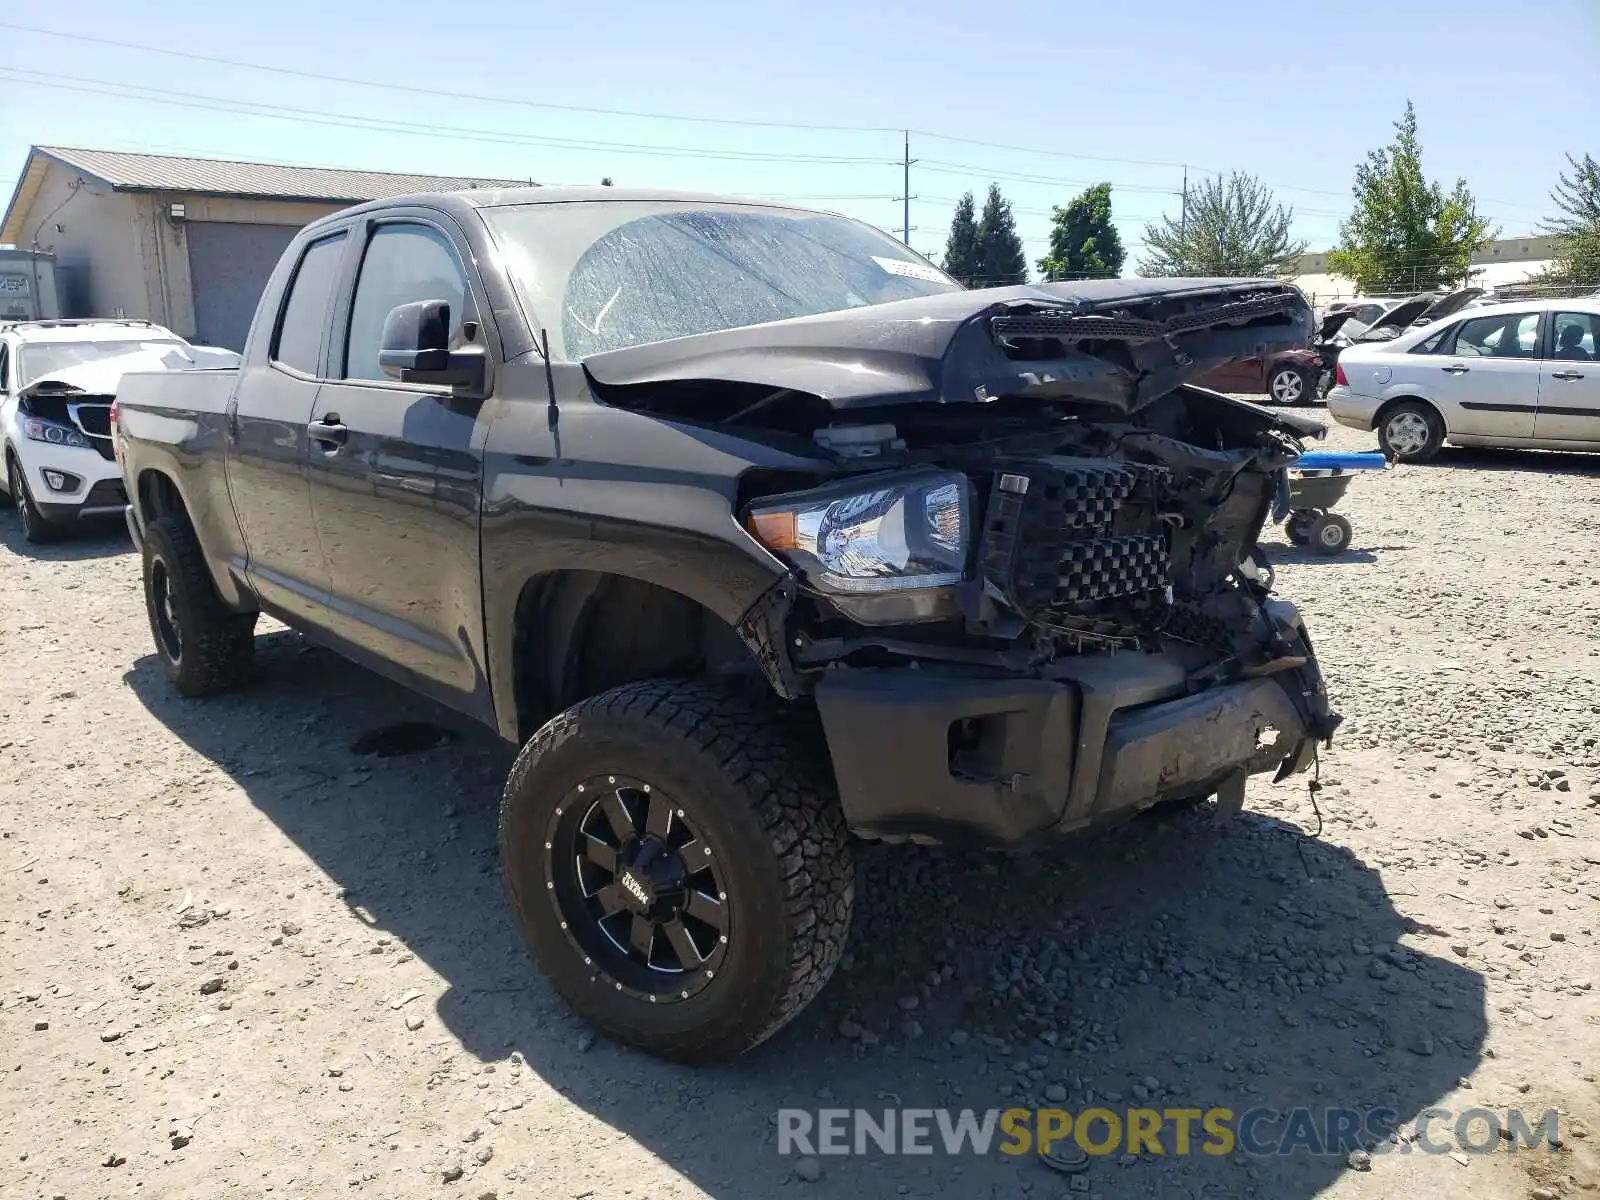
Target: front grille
(93, 419)
(1070, 540)
(104, 447)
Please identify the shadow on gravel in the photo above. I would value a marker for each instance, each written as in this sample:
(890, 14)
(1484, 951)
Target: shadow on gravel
(1175, 963)
(1285, 551)
(1545, 462)
(104, 537)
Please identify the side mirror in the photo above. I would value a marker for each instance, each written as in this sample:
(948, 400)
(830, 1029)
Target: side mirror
(416, 340)
(415, 348)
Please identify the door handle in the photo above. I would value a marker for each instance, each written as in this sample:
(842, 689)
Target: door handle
(1566, 375)
(329, 431)
(1456, 369)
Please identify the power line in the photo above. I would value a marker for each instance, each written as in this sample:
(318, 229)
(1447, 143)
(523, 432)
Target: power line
(438, 93)
(195, 100)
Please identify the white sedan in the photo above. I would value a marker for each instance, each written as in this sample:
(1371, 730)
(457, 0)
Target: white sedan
(1516, 374)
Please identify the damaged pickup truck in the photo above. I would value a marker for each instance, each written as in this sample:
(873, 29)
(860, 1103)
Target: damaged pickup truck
(757, 532)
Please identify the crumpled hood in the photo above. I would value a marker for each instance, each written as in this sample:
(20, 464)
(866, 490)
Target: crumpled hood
(100, 378)
(1119, 342)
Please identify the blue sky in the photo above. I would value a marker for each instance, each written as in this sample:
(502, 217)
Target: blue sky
(1078, 92)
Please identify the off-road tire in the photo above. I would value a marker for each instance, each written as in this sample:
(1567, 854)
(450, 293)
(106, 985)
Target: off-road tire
(756, 776)
(217, 648)
(1429, 445)
(37, 530)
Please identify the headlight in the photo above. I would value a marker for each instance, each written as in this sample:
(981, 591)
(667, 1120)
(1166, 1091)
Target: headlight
(49, 431)
(883, 534)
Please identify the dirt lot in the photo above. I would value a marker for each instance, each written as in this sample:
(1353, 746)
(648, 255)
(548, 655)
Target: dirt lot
(243, 958)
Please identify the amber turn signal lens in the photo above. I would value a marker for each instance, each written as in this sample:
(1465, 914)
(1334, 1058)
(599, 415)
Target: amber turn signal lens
(774, 530)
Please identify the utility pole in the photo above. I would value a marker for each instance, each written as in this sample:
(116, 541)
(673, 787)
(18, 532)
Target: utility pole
(1183, 221)
(906, 197)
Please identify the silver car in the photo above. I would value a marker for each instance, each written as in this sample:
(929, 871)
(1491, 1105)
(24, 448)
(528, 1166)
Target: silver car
(1518, 374)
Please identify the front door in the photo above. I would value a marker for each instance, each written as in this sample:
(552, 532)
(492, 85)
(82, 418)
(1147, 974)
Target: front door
(266, 441)
(1490, 375)
(1569, 382)
(396, 478)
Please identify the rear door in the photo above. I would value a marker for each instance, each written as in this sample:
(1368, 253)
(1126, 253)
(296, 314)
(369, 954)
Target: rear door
(1486, 375)
(266, 425)
(396, 473)
(1569, 383)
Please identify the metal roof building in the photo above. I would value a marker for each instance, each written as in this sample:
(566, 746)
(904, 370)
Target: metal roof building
(185, 242)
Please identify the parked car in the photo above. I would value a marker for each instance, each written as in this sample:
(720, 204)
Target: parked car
(756, 531)
(1288, 377)
(56, 383)
(1515, 374)
(1345, 327)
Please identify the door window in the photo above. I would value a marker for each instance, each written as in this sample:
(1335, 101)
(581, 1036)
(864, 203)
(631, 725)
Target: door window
(403, 263)
(1577, 337)
(305, 308)
(5, 368)
(1506, 335)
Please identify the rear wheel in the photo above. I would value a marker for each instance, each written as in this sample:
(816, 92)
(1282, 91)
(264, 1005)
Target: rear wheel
(1289, 385)
(679, 866)
(36, 528)
(1411, 431)
(1297, 526)
(204, 646)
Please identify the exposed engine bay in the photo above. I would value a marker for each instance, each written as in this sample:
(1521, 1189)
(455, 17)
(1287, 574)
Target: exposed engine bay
(1011, 483)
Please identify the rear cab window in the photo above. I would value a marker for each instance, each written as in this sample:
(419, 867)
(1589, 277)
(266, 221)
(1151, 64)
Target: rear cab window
(303, 320)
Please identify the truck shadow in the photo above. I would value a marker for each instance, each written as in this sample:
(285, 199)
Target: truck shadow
(100, 537)
(1174, 963)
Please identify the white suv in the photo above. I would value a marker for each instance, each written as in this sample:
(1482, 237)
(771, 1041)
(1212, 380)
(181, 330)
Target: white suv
(1523, 373)
(57, 380)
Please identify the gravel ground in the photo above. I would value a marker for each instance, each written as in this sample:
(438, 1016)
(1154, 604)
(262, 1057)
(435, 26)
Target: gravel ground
(244, 958)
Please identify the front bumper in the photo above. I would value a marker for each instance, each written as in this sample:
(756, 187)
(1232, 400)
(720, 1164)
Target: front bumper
(958, 758)
(1348, 408)
(96, 490)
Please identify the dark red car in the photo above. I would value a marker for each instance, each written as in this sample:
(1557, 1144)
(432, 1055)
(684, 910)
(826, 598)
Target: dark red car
(1288, 377)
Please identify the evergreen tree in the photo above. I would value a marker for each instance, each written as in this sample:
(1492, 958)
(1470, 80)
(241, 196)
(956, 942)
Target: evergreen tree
(1232, 226)
(961, 248)
(1577, 229)
(1084, 244)
(1406, 234)
(1000, 257)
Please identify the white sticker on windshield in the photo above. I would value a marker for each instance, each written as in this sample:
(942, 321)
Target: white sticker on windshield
(911, 270)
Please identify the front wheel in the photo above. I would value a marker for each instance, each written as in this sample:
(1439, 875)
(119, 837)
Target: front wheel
(1411, 431)
(679, 866)
(1289, 385)
(1330, 534)
(37, 529)
(204, 646)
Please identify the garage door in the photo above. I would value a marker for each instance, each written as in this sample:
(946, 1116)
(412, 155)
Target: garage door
(228, 268)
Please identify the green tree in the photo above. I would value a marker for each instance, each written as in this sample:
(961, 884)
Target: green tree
(605, 181)
(961, 247)
(1407, 234)
(1084, 244)
(1577, 229)
(1231, 226)
(1000, 257)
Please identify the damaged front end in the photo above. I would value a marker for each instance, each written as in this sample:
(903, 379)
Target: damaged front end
(1043, 607)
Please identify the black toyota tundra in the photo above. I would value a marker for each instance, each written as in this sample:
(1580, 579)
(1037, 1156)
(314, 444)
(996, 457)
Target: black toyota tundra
(759, 534)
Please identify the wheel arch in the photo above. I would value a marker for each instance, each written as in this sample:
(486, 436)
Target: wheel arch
(1393, 402)
(580, 632)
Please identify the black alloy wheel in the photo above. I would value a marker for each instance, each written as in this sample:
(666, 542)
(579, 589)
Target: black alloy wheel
(637, 888)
